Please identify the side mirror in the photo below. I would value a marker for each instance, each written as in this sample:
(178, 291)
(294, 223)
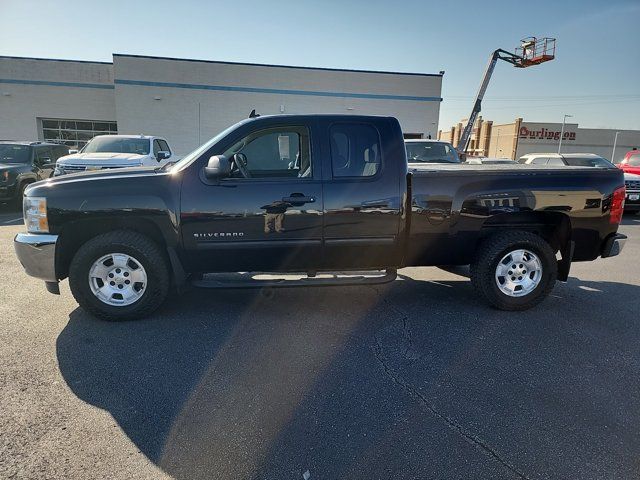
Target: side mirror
(72, 151)
(163, 155)
(218, 166)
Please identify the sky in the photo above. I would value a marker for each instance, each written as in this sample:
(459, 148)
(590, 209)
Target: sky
(595, 76)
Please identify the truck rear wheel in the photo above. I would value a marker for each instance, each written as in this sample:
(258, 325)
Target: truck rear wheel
(120, 275)
(514, 270)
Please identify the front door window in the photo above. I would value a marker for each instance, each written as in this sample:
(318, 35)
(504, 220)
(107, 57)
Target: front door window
(274, 153)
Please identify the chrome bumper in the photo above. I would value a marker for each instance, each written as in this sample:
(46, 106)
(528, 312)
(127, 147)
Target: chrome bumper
(37, 254)
(613, 245)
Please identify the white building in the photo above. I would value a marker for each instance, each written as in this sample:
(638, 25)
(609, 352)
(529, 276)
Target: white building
(189, 101)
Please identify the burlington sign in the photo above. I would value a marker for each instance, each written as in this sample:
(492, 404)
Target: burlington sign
(542, 133)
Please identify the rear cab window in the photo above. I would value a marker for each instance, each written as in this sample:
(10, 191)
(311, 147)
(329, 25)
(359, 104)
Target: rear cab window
(431, 152)
(355, 150)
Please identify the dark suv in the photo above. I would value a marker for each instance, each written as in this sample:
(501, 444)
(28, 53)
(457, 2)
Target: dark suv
(22, 163)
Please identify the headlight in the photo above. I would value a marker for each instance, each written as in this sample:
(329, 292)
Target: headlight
(57, 171)
(35, 214)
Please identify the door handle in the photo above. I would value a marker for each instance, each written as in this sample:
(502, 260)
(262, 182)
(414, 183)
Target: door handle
(298, 198)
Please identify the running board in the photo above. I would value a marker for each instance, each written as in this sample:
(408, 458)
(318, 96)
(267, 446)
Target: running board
(272, 280)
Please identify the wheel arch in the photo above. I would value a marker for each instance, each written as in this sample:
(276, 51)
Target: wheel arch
(554, 227)
(74, 235)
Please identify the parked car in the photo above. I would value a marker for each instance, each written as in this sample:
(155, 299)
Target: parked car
(565, 159)
(488, 161)
(632, 201)
(116, 151)
(22, 163)
(309, 193)
(422, 151)
(631, 162)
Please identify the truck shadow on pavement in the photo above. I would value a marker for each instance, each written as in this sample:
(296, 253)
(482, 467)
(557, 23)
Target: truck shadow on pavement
(411, 379)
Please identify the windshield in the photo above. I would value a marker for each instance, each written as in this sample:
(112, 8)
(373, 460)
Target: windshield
(431, 152)
(588, 162)
(634, 160)
(139, 146)
(14, 153)
(203, 148)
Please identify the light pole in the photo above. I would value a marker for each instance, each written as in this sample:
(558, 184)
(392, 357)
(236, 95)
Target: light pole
(615, 141)
(564, 120)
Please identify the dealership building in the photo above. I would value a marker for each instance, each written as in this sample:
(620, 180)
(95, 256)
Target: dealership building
(513, 140)
(190, 101)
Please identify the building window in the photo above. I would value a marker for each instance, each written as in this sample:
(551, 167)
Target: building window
(75, 133)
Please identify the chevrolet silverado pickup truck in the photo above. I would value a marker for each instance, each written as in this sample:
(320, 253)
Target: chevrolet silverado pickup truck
(116, 151)
(308, 194)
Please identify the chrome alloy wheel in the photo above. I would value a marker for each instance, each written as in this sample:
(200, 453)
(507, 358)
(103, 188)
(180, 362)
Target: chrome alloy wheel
(117, 279)
(518, 273)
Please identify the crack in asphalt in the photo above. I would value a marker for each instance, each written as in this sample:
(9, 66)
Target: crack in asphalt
(451, 424)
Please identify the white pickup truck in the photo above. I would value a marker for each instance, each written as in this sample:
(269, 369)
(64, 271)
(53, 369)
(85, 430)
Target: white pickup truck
(116, 151)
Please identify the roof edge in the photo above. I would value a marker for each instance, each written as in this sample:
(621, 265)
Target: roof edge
(55, 60)
(277, 66)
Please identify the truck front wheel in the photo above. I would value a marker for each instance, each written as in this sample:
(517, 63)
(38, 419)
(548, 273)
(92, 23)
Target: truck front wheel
(514, 270)
(120, 275)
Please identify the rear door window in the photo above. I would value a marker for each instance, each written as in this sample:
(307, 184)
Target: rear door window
(540, 161)
(59, 151)
(43, 155)
(355, 150)
(556, 162)
(588, 162)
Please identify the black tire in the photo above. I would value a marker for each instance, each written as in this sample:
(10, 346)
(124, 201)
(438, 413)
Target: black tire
(17, 202)
(493, 249)
(131, 243)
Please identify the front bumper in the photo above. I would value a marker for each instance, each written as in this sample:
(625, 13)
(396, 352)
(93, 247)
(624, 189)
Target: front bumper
(613, 245)
(37, 254)
(632, 205)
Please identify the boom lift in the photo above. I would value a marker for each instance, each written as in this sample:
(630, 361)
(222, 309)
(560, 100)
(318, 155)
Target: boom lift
(532, 51)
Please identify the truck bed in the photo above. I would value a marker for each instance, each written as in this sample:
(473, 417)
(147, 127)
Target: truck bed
(449, 217)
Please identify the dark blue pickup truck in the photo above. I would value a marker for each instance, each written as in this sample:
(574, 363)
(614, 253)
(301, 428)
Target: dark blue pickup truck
(313, 193)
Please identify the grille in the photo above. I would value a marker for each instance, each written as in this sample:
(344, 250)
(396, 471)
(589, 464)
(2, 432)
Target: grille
(632, 184)
(74, 168)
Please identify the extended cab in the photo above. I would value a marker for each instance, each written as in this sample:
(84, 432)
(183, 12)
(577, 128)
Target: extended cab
(116, 151)
(310, 193)
(22, 163)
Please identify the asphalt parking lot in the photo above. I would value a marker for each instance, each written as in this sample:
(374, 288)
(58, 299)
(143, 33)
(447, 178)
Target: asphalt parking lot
(414, 379)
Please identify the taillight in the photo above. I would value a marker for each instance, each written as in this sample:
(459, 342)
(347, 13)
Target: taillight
(617, 205)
